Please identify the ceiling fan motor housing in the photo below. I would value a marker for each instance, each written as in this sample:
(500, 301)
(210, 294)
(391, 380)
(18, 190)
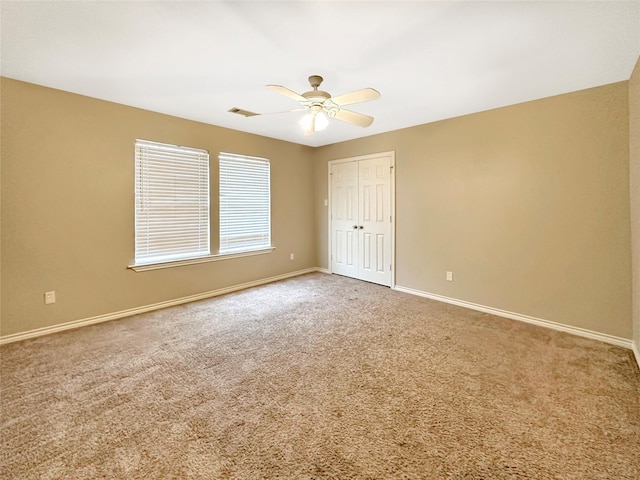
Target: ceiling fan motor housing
(316, 96)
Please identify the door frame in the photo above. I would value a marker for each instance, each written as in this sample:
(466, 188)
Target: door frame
(392, 191)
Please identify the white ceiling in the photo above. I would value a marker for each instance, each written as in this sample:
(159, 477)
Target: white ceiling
(429, 60)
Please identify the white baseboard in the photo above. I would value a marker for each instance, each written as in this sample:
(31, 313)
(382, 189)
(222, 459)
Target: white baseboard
(636, 352)
(581, 332)
(323, 270)
(39, 332)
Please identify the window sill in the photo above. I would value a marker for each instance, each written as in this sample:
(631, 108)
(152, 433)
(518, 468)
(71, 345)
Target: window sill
(192, 261)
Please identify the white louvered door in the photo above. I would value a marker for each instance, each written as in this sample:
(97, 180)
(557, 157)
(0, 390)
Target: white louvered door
(362, 219)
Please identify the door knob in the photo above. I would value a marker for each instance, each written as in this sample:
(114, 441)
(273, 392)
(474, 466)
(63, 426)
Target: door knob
(361, 227)
(355, 227)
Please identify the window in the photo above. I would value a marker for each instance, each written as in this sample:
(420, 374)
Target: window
(171, 203)
(245, 203)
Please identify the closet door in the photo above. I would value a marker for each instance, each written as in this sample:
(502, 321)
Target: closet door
(374, 185)
(361, 218)
(344, 218)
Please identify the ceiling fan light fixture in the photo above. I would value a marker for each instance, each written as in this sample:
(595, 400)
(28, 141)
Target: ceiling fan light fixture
(315, 120)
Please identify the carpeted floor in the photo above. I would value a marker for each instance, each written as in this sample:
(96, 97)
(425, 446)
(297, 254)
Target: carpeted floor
(318, 377)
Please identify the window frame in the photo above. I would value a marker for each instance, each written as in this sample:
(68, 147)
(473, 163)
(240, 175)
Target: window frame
(171, 188)
(253, 173)
(210, 257)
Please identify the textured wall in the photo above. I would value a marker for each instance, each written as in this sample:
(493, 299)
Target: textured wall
(67, 207)
(528, 205)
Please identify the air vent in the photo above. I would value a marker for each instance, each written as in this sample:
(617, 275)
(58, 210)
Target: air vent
(245, 113)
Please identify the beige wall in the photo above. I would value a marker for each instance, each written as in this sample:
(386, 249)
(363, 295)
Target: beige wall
(528, 205)
(634, 156)
(67, 207)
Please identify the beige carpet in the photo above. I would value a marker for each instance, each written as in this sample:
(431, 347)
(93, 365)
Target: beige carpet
(318, 377)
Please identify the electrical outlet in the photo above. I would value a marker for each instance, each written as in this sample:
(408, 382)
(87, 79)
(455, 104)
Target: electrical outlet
(291, 256)
(49, 297)
(450, 276)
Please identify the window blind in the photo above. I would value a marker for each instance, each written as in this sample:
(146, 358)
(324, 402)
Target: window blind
(172, 202)
(245, 203)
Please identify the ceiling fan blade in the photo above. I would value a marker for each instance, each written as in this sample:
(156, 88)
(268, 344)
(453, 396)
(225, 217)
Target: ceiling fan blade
(287, 93)
(358, 96)
(283, 111)
(353, 117)
(247, 113)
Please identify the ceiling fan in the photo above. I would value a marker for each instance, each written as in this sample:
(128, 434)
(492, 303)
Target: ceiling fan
(320, 105)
